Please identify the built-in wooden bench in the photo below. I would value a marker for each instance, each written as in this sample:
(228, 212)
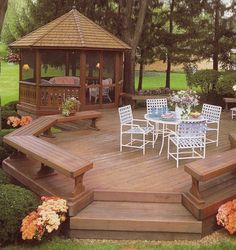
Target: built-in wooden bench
(52, 157)
(227, 101)
(202, 202)
(135, 98)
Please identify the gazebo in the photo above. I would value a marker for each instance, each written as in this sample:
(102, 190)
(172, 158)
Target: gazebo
(69, 57)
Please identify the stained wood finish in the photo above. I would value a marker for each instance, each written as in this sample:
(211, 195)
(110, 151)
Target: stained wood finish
(49, 155)
(201, 202)
(120, 216)
(125, 176)
(227, 101)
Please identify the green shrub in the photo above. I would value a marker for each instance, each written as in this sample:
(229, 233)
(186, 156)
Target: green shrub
(10, 106)
(205, 79)
(4, 179)
(15, 203)
(4, 153)
(5, 114)
(225, 83)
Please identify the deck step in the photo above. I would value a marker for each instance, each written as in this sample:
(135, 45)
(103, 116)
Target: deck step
(135, 220)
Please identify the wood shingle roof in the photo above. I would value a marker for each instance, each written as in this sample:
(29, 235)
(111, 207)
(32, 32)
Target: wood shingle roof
(72, 30)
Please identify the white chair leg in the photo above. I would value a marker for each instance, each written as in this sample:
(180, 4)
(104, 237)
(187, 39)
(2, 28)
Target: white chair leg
(144, 140)
(121, 141)
(153, 139)
(168, 148)
(217, 135)
(177, 156)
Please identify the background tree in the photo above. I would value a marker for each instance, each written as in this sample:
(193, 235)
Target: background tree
(3, 9)
(217, 37)
(148, 49)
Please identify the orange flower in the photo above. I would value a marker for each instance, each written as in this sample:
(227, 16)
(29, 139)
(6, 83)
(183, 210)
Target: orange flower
(25, 120)
(29, 226)
(227, 216)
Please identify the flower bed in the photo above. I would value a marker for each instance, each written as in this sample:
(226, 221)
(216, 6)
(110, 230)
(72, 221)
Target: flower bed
(160, 91)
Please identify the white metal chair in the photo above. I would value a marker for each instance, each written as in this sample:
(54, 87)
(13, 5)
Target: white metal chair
(212, 115)
(134, 127)
(189, 141)
(94, 91)
(153, 104)
(233, 112)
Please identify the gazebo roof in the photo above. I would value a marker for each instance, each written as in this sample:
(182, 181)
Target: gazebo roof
(72, 30)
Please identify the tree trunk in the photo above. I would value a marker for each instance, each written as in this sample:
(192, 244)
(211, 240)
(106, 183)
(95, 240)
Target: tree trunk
(168, 61)
(3, 9)
(168, 70)
(216, 37)
(131, 38)
(140, 80)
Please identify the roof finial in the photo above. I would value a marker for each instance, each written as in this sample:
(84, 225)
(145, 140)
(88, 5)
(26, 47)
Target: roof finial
(74, 6)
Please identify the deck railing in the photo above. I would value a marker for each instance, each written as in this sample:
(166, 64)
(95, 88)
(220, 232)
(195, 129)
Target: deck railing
(27, 92)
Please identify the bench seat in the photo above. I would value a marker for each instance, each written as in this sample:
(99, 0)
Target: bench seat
(50, 155)
(212, 166)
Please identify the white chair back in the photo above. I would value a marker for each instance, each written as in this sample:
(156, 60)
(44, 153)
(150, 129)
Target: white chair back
(211, 112)
(125, 114)
(191, 129)
(155, 103)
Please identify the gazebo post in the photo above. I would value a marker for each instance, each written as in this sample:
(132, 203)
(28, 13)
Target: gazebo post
(100, 69)
(37, 78)
(117, 73)
(67, 63)
(82, 76)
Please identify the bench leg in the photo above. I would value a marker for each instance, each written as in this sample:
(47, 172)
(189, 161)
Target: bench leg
(79, 187)
(17, 155)
(48, 133)
(93, 124)
(195, 192)
(45, 171)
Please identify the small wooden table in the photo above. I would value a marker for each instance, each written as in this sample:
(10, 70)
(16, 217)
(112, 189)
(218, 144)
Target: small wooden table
(227, 101)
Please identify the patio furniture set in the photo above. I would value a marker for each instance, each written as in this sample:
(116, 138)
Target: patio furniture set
(188, 136)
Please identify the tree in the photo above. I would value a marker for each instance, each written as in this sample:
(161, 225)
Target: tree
(217, 37)
(148, 48)
(131, 14)
(3, 9)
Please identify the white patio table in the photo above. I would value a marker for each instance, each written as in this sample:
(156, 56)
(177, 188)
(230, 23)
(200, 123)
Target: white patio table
(165, 130)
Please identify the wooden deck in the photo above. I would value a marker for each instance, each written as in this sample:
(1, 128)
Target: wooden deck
(130, 170)
(127, 177)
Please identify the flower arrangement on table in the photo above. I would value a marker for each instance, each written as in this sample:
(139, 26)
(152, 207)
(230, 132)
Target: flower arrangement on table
(160, 91)
(45, 219)
(226, 216)
(70, 106)
(185, 100)
(15, 121)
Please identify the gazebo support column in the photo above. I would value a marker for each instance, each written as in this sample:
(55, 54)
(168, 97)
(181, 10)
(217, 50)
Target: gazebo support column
(38, 79)
(82, 77)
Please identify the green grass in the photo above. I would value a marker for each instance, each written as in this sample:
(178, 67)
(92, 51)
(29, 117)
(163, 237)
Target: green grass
(154, 80)
(9, 78)
(61, 244)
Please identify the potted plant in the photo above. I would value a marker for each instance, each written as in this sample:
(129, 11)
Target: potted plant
(70, 106)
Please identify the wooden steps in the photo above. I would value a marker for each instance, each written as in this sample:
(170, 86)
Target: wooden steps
(135, 220)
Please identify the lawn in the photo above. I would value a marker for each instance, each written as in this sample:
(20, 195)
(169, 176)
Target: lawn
(64, 244)
(9, 77)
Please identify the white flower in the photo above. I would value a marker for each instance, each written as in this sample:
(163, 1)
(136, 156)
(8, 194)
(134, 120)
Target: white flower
(234, 88)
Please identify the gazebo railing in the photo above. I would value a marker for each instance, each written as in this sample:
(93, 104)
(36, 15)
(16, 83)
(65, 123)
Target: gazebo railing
(27, 92)
(50, 96)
